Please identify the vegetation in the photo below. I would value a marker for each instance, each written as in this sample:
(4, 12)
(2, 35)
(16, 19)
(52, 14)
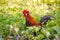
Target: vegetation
(13, 22)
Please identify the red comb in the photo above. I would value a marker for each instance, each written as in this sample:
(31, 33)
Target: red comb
(25, 11)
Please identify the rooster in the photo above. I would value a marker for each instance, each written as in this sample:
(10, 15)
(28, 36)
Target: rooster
(30, 21)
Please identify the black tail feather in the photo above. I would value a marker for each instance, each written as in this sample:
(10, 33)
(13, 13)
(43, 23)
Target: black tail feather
(45, 19)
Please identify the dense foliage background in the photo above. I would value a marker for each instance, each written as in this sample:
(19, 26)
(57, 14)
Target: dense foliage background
(11, 18)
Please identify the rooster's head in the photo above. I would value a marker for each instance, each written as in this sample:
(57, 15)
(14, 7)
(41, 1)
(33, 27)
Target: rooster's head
(25, 12)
